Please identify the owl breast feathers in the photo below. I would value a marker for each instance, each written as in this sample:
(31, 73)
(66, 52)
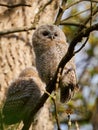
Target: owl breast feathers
(22, 96)
(49, 43)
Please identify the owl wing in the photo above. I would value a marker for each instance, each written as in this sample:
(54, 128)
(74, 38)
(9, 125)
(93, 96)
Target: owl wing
(68, 82)
(19, 94)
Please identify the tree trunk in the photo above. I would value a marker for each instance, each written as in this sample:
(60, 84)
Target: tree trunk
(16, 52)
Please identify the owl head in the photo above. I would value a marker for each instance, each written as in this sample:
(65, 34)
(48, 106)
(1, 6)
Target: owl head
(29, 72)
(47, 36)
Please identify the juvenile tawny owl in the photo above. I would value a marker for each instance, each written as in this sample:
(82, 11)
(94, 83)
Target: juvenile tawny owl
(22, 96)
(50, 46)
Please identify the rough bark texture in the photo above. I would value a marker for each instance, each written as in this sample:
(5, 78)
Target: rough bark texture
(16, 52)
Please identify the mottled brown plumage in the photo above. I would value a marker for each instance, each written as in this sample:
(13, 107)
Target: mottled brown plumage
(22, 96)
(50, 46)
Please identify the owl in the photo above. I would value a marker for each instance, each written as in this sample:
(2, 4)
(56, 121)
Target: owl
(22, 96)
(49, 43)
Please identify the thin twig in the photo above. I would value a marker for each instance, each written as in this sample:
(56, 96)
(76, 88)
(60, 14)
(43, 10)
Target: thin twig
(56, 115)
(18, 29)
(77, 2)
(60, 13)
(94, 1)
(77, 125)
(52, 97)
(69, 122)
(82, 46)
(91, 12)
(14, 5)
(72, 4)
(36, 18)
(72, 24)
(54, 101)
(76, 14)
(89, 17)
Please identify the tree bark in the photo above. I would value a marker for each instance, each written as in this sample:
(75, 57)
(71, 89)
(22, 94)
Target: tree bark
(16, 52)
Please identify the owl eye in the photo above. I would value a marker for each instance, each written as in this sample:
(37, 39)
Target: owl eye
(45, 33)
(56, 34)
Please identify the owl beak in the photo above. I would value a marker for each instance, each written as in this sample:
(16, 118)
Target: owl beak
(51, 36)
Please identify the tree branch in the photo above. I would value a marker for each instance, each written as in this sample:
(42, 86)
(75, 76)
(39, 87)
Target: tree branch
(94, 1)
(82, 46)
(56, 114)
(76, 14)
(69, 122)
(72, 24)
(18, 29)
(51, 86)
(77, 2)
(15, 5)
(88, 19)
(61, 11)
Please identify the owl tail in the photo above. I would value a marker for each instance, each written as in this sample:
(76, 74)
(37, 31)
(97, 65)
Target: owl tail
(66, 92)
